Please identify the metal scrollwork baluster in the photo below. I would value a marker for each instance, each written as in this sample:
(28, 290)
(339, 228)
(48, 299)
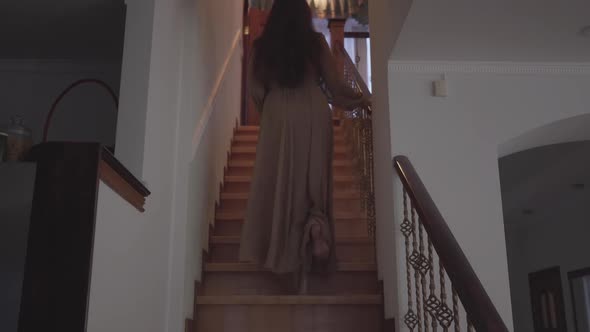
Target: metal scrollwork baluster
(456, 310)
(371, 178)
(444, 314)
(424, 268)
(415, 260)
(432, 304)
(410, 318)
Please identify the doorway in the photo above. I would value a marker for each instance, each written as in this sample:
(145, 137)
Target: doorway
(547, 300)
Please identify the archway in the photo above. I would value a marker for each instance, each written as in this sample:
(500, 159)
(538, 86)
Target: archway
(544, 174)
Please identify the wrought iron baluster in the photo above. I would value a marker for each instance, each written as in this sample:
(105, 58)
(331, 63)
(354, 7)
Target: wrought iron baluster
(445, 314)
(410, 319)
(433, 303)
(456, 311)
(425, 267)
(415, 260)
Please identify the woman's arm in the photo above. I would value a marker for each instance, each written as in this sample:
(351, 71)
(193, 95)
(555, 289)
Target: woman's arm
(343, 95)
(255, 88)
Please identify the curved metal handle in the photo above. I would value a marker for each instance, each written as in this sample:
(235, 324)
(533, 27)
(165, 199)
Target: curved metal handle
(68, 89)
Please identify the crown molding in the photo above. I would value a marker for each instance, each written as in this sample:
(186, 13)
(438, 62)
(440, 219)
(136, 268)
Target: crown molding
(509, 68)
(58, 66)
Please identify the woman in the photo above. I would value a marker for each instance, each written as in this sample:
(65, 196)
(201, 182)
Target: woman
(289, 224)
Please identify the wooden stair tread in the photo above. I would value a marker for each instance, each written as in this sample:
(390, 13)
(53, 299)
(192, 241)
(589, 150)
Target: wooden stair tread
(232, 239)
(248, 178)
(252, 149)
(290, 300)
(239, 215)
(250, 163)
(249, 137)
(337, 195)
(257, 128)
(250, 267)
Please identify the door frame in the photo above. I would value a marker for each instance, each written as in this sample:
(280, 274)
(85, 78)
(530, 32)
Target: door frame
(571, 276)
(561, 324)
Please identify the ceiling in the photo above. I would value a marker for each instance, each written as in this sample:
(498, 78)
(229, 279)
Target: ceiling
(499, 30)
(542, 178)
(64, 29)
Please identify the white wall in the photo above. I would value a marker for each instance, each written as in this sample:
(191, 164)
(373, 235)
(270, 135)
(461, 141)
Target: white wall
(453, 142)
(88, 113)
(386, 20)
(211, 85)
(499, 30)
(121, 284)
(135, 79)
(174, 53)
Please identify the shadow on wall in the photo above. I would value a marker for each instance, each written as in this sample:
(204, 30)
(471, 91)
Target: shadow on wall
(544, 176)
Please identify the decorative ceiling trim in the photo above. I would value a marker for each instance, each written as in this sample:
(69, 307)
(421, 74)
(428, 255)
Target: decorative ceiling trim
(508, 68)
(57, 66)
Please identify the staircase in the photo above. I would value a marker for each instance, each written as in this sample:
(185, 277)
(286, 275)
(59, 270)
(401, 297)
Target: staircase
(241, 297)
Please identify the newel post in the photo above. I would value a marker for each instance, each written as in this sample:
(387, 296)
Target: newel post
(336, 26)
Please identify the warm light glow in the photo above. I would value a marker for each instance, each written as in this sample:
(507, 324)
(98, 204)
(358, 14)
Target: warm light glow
(319, 7)
(334, 8)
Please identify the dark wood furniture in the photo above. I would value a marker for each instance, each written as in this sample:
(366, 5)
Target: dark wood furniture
(60, 242)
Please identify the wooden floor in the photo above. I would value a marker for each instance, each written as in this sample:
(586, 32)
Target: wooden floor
(240, 297)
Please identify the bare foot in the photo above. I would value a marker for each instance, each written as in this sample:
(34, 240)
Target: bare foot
(321, 250)
(303, 284)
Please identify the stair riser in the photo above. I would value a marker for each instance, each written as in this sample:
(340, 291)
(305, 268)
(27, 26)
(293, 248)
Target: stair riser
(266, 283)
(255, 131)
(343, 229)
(244, 187)
(344, 205)
(249, 171)
(289, 318)
(338, 155)
(338, 143)
(225, 253)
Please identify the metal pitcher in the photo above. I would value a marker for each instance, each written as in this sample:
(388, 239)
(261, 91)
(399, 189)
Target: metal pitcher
(19, 139)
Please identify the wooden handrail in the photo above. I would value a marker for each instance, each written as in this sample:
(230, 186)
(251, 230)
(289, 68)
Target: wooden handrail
(477, 303)
(358, 78)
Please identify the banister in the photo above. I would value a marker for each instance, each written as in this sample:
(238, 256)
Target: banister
(358, 131)
(477, 304)
(358, 78)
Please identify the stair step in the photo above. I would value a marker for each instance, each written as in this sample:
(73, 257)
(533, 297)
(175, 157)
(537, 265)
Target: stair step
(343, 240)
(251, 150)
(341, 166)
(248, 179)
(343, 227)
(345, 201)
(289, 300)
(256, 129)
(242, 183)
(349, 249)
(239, 215)
(337, 195)
(289, 314)
(250, 163)
(250, 138)
(250, 267)
(268, 283)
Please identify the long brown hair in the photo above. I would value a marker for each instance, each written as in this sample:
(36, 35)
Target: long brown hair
(287, 46)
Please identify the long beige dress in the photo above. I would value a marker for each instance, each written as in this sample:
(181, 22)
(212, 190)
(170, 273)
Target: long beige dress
(292, 184)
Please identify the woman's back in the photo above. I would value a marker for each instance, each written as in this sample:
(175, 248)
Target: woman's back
(289, 221)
